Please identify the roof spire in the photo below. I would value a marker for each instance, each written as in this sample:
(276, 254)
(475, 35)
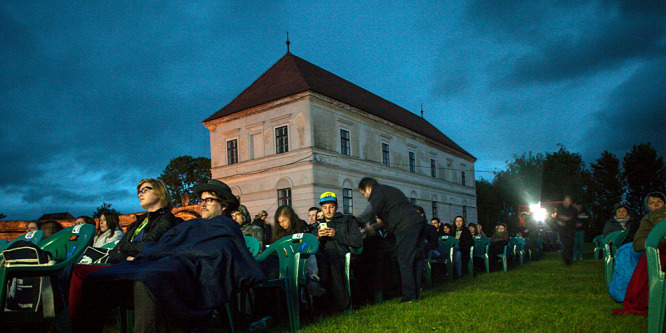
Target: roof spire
(288, 42)
(421, 110)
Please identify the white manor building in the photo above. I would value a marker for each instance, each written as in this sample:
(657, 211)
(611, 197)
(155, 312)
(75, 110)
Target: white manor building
(300, 130)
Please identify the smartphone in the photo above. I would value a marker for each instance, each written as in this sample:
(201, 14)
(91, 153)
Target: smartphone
(322, 225)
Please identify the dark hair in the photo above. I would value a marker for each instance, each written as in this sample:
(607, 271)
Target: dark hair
(51, 226)
(87, 219)
(436, 219)
(420, 210)
(657, 195)
(448, 225)
(367, 182)
(295, 225)
(472, 225)
(112, 222)
(463, 219)
(314, 208)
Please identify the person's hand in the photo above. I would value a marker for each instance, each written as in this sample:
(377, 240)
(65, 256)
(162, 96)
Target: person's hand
(130, 258)
(370, 231)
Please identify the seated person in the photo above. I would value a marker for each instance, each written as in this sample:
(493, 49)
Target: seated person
(479, 230)
(181, 280)
(156, 200)
(248, 228)
(473, 230)
(448, 229)
(439, 226)
(465, 242)
(636, 295)
(84, 219)
(50, 227)
(497, 242)
(33, 226)
(109, 229)
(621, 220)
(338, 234)
(149, 227)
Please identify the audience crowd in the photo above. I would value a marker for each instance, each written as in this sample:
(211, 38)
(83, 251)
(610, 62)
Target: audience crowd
(175, 274)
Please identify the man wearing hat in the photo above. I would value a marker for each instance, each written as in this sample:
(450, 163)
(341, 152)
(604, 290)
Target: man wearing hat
(338, 234)
(215, 198)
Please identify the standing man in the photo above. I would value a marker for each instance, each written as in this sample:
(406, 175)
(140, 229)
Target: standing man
(567, 218)
(394, 209)
(338, 234)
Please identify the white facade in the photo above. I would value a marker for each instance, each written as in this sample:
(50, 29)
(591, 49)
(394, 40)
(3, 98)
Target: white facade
(315, 163)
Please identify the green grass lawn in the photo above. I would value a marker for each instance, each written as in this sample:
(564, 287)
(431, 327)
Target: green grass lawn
(540, 296)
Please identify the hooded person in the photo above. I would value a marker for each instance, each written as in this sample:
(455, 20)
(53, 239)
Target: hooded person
(194, 269)
(622, 220)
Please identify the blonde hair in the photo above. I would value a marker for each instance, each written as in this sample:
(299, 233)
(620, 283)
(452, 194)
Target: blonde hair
(160, 190)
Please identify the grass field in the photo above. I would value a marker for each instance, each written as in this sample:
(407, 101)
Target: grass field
(540, 296)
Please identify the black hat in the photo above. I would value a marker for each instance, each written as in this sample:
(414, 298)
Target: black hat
(223, 189)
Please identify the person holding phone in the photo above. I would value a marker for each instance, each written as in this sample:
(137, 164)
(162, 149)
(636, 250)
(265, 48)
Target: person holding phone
(338, 234)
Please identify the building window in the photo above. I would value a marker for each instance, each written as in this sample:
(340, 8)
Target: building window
(413, 201)
(462, 174)
(347, 201)
(345, 147)
(412, 162)
(385, 154)
(434, 209)
(281, 140)
(232, 151)
(464, 212)
(433, 168)
(284, 197)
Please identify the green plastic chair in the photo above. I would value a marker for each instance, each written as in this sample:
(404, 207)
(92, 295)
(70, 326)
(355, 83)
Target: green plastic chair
(656, 280)
(479, 250)
(66, 247)
(33, 236)
(504, 257)
(348, 257)
(598, 246)
(516, 245)
(611, 242)
(446, 246)
(292, 251)
(253, 245)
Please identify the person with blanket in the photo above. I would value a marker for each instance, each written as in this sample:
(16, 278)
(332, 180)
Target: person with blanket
(636, 295)
(180, 280)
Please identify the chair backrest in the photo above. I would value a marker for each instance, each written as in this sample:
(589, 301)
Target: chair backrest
(481, 246)
(253, 245)
(599, 241)
(33, 236)
(615, 237)
(288, 246)
(69, 243)
(446, 245)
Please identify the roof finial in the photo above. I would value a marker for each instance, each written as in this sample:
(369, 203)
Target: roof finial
(421, 110)
(288, 42)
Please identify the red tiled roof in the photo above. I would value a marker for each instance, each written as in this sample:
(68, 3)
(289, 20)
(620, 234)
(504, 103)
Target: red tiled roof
(292, 75)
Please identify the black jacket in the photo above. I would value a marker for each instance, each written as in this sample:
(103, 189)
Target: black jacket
(431, 238)
(347, 234)
(159, 222)
(392, 207)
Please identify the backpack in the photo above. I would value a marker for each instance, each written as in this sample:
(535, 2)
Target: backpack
(33, 293)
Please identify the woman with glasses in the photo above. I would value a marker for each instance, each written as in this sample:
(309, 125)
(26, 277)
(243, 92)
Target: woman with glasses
(149, 227)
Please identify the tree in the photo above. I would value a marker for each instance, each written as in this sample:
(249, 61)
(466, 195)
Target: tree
(606, 188)
(519, 184)
(644, 172)
(564, 173)
(184, 172)
(489, 204)
(105, 207)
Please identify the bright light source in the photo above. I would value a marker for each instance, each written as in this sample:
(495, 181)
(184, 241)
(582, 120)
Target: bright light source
(538, 213)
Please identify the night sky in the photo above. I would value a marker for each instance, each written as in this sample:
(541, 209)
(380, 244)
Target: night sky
(97, 95)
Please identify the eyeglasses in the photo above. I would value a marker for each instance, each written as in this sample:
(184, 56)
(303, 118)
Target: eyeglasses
(207, 201)
(144, 190)
(622, 210)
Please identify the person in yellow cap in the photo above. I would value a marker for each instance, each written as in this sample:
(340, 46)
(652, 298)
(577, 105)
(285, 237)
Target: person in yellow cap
(338, 234)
